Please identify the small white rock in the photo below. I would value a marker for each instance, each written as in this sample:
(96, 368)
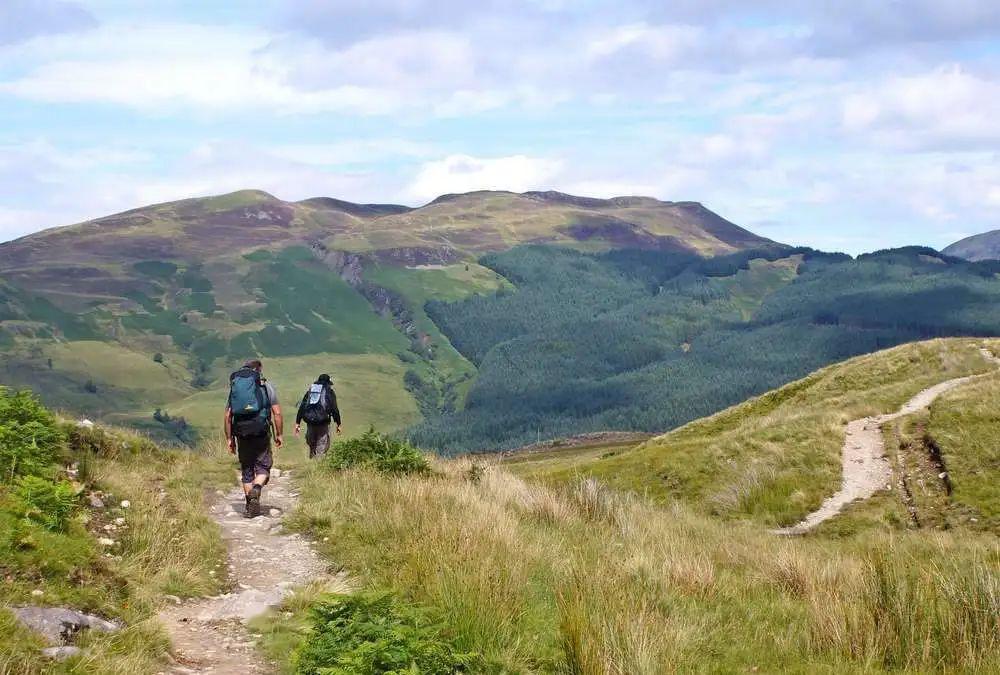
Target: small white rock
(126, 503)
(38, 592)
(104, 541)
(119, 521)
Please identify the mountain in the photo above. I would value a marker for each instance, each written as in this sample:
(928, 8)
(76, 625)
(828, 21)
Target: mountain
(985, 246)
(138, 317)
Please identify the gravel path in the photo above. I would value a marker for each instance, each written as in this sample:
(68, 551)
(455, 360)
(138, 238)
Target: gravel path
(866, 468)
(209, 635)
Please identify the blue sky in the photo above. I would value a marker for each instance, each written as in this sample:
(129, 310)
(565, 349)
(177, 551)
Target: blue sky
(845, 126)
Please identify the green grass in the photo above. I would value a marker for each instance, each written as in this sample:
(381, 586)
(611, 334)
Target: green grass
(777, 456)
(166, 545)
(963, 424)
(583, 579)
(369, 392)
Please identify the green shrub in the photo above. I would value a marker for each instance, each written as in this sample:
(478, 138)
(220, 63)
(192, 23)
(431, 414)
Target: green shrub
(108, 443)
(46, 502)
(372, 633)
(379, 452)
(30, 438)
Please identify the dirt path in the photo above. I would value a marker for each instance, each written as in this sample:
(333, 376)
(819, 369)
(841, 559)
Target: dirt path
(209, 635)
(866, 468)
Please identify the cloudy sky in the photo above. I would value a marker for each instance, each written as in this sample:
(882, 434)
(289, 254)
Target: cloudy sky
(842, 125)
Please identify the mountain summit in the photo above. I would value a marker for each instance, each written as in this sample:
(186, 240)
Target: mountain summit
(96, 256)
(985, 246)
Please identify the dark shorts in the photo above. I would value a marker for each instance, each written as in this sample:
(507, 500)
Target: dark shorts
(255, 456)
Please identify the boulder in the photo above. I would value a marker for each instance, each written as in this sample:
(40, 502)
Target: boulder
(58, 625)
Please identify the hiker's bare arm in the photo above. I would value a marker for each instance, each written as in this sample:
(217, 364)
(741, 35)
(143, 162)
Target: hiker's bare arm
(228, 426)
(279, 424)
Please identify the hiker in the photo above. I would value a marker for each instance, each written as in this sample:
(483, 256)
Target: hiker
(318, 405)
(252, 414)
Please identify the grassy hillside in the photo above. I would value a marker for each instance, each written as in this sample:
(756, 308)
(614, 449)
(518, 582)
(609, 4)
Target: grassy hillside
(50, 536)
(640, 340)
(774, 458)
(582, 579)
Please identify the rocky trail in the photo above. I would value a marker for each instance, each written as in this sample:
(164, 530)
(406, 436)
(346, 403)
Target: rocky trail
(209, 635)
(866, 467)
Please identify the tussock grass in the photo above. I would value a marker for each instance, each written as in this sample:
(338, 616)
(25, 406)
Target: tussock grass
(584, 579)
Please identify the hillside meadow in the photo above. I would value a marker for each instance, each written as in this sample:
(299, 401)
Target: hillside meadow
(775, 457)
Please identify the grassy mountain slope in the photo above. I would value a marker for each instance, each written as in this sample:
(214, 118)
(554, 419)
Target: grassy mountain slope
(182, 292)
(984, 246)
(774, 458)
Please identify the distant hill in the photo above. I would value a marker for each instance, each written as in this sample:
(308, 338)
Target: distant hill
(78, 264)
(985, 246)
(147, 311)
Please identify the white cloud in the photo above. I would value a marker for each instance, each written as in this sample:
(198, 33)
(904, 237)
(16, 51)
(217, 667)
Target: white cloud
(945, 106)
(463, 173)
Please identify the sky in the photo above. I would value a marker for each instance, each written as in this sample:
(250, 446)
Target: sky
(848, 126)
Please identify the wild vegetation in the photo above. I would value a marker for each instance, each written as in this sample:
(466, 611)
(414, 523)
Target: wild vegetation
(65, 490)
(585, 579)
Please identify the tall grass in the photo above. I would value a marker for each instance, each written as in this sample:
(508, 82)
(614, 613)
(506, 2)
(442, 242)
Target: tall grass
(587, 580)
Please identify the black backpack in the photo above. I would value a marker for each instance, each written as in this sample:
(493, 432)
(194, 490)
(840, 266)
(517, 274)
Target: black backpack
(317, 405)
(249, 404)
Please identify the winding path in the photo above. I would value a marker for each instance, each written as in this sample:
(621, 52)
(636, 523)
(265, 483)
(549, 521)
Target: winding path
(866, 467)
(209, 635)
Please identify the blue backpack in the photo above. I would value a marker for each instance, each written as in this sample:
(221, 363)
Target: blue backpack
(249, 404)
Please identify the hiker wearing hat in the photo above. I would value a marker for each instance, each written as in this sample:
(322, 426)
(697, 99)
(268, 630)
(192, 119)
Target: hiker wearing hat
(252, 415)
(318, 406)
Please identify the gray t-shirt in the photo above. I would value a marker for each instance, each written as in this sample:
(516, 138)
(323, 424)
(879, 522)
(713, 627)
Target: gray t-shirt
(272, 393)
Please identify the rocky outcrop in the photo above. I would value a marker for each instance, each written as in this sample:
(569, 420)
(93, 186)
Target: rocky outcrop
(350, 266)
(59, 625)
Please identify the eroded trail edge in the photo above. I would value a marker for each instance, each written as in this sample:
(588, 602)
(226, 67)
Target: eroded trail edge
(209, 635)
(865, 465)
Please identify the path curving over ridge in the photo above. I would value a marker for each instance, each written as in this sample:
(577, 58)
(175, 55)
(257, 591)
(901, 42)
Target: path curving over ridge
(866, 467)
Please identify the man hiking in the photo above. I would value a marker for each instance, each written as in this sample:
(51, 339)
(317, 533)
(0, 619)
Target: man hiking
(252, 414)
(318, 405)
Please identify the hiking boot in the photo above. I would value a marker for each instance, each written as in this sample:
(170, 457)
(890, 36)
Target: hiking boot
(247, 511)
(253, 502)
